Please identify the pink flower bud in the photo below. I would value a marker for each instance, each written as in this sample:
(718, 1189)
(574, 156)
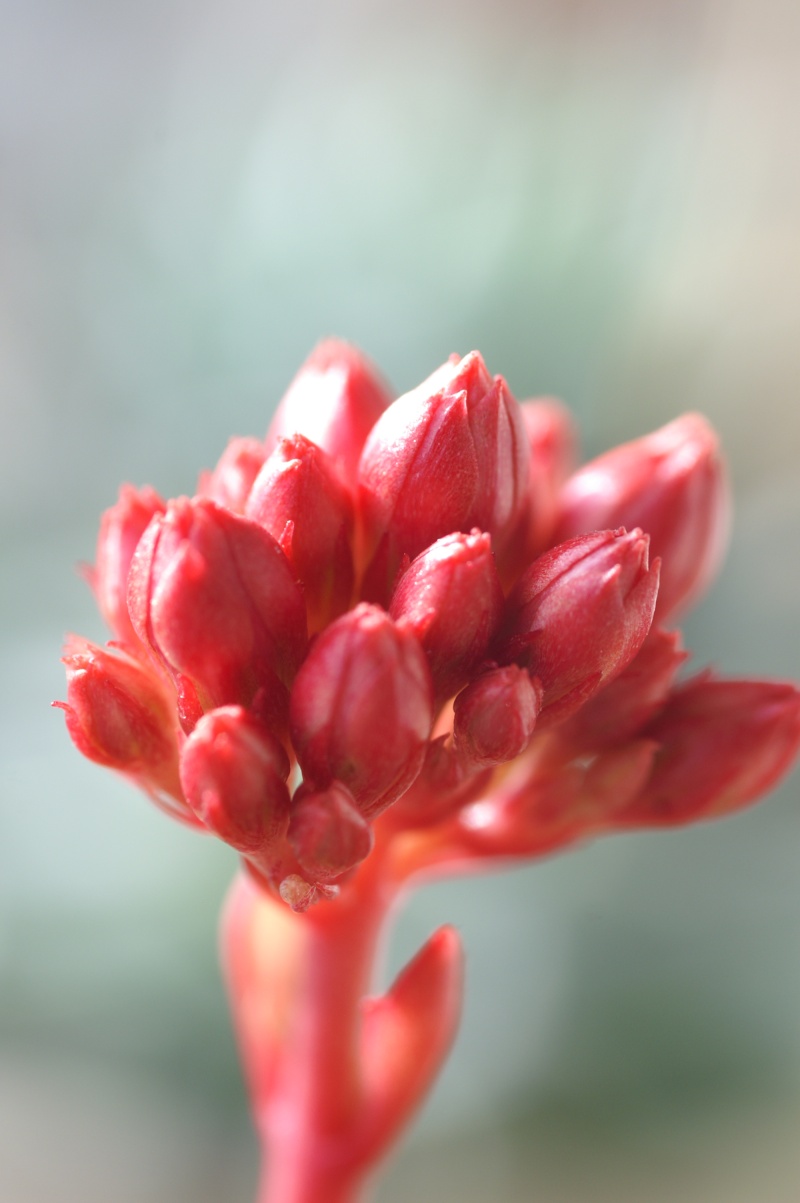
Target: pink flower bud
(215, 599)
(552, 438)
(451, 599)
(118, 715)
(121, 528)
(233, 772)
(334, 400)
(328, 833)
(300, 500)
(672, 484)
(449, 456)
(494, 717)
(232, 479)
(722, 745)
(579, 615)
(619, 711)
(361, 708)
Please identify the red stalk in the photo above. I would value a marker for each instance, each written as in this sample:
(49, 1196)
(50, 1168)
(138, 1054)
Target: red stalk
(296, 984)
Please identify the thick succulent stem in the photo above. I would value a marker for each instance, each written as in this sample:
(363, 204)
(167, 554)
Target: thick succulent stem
(296, 983)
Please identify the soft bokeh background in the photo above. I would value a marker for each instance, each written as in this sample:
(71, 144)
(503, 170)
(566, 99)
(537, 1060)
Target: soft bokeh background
(605, 199)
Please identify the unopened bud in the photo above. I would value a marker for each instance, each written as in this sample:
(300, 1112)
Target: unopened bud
(121, 528)
(118, 716)
(722, 745)
(232, 479)
(495, 716)
(672, 484)
(361, 708)
(334, 400)
(233, 772)
(619, 711)
(300, 500)
(448, 456)
(552, 439)
(579, 615)
(451, 599)
(217, 602)
(328, 833)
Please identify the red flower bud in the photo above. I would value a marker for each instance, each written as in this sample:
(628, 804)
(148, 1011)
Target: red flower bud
(121, 528)
(361, 708)
(553, 447)
(451, 599)
(449, 456)
(118, 715)
(328, 833)
(300, 500)
(672, 484)
(494, 717)
(215, 599)
(722, 745)
(233, 772)
(619, 711)
(579, 615)
(334, 400)
(232, 479)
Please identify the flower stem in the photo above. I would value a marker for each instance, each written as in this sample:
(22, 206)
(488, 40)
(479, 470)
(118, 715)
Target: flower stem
(296, 983)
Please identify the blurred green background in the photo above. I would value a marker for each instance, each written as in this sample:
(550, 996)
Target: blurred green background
(605, 199)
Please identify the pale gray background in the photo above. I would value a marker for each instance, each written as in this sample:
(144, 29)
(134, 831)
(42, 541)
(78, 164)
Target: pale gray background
(605, 199)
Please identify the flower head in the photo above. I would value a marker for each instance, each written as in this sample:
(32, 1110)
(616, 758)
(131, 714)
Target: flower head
(483, 677)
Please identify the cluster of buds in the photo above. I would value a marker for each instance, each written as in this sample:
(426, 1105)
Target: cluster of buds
(414, 620)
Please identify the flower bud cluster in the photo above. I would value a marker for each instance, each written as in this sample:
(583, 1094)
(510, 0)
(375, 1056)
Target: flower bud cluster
(415, 617)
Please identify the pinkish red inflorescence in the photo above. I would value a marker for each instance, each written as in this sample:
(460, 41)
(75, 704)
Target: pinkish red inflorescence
(403, 637)
(519, 593)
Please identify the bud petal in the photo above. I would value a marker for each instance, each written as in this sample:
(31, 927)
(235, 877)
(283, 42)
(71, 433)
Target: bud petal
(722, 744)
(334, 400)
(232, 479)
(619, 711)
(451, 599)
(448, 456)
(301, 502)
(495, 716)
(233, 772)
(121, 528)
(118, 716)
(215, 599)
(328, 833)
(672, 484)
(579, 615)
(361, 708)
